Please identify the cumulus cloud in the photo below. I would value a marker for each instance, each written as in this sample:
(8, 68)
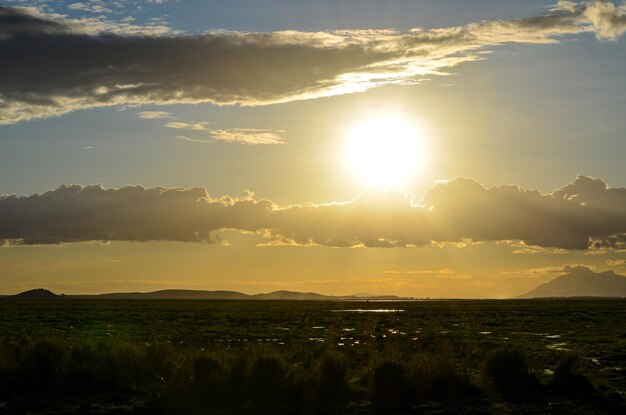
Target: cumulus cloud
(461, 210)
(592, 192)
(84, 63)
(608, 20)
(74, 213)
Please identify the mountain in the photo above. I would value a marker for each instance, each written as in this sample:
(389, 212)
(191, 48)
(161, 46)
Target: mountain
(174, 295)
(582, 282)
(36, 294)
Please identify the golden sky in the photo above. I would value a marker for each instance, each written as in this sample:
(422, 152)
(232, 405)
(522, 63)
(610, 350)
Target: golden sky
(421, 150)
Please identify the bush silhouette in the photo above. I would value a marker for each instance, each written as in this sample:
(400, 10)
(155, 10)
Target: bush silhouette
(446, 382)
(333, 386)
(507, 370)
(267, 380)
(41, 366)
(568, 380)
(390, 385)
(206, 379)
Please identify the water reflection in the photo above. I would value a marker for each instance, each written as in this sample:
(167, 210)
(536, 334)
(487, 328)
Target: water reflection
(377, 310)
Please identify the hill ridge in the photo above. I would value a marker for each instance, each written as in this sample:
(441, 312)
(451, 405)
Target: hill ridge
(183, 294)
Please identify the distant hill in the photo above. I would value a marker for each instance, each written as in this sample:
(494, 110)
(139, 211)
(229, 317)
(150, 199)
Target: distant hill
(210, 295)
(198, 295)
(291, 295)
(36, 294)
(174, 295)
(582, 282)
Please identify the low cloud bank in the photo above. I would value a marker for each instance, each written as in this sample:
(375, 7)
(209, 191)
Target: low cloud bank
(584, 214)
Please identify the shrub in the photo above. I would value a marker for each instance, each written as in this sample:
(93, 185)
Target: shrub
(41, 366)
(206, 378)
(332, 384)
(236, 378)
(390, 385)
(568, 379)
(507, 370)
(82, 369)
(448, 383)
(267, 380)
(440, 378)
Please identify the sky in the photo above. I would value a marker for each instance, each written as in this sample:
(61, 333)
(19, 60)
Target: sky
(415, 148)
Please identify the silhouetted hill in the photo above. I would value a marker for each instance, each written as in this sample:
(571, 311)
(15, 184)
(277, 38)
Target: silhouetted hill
(291, 295)
(209, 295)
(199, 295)
(582, 282)
(36, 294)
(175, 295)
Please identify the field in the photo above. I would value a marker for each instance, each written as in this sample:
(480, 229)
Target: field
(431, 357)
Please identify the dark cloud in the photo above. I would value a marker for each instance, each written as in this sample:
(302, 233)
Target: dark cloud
(593, 192)
(43, 73)
(610, 242)
(19, 21)
(461, 210)
(464, 208)
(50, 65)
(74, 213)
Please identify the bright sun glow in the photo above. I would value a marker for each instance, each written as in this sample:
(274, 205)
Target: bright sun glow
(385, 152)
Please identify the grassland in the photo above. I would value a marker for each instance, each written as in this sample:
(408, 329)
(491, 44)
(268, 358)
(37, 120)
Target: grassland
(196, 357)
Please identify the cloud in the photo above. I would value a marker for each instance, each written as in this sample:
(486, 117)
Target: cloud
(459, 211)
(197, 126)
(93, 6)
(532, 273)
(154, 115)
(438, 274)
(609, 20)
(192, 140)
(591, 192)
(247, 136)
(83, 63)
(616, 262)
(611, 242)
(524, 249)
(23, 23)
(250, 136)
(74, 213)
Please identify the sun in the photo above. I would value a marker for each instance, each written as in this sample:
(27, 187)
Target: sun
(384, 151)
